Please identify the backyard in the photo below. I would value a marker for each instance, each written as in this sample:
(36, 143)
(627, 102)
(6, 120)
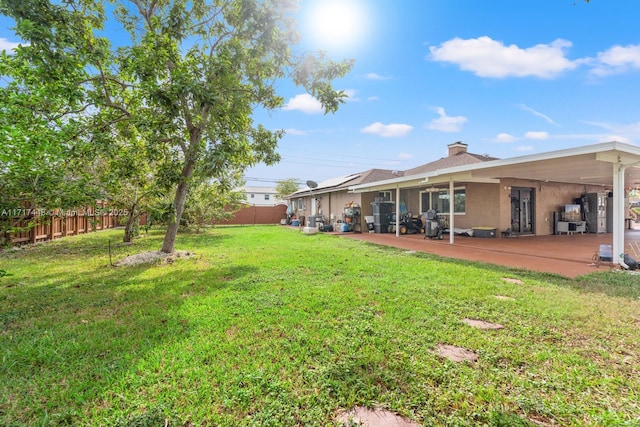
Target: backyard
(267, 326)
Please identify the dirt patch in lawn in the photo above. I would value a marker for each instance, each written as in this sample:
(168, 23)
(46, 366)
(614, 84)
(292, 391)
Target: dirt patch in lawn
(152, 257)
(481, 324)
(514, 281)
(504, 298)
(374, 418)
(456, 354)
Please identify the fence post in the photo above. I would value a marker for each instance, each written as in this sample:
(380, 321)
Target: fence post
(6, 238)
(33, 232)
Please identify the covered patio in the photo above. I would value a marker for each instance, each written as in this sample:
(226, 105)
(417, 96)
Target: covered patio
(612, 166)
(565, 255)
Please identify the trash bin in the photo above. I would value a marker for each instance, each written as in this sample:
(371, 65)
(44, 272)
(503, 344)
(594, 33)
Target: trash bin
(312, 221)
(430, 227)
(606, 253)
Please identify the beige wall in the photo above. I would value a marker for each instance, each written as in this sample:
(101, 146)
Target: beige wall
(549, 197)
(329, 204)
(486, 204)
(482, 207)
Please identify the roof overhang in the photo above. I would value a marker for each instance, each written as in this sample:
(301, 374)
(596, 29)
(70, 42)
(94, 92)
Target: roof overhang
(589, 165)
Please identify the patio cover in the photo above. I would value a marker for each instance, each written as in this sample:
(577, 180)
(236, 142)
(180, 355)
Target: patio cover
(613, 165)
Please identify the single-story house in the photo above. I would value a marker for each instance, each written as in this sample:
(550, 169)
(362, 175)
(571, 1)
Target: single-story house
(530, 194)
(535, 194)
(330, 198)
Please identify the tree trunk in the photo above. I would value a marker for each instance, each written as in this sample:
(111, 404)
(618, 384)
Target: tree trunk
(128, 235)
(168, 245)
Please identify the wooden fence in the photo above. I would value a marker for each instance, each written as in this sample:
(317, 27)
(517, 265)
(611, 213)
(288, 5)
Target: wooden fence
(253, 215)
(35, 225)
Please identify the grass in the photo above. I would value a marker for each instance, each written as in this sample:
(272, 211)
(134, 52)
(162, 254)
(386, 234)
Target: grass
(266, 326)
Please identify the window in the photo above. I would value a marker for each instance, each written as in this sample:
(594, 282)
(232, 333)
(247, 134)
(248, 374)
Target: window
(438, 199)
(253, 196)
(300, 204)
(266, 197)
(385, 195)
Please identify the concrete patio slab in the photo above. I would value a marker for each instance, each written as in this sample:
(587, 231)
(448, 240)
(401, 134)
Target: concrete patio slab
(565, 255)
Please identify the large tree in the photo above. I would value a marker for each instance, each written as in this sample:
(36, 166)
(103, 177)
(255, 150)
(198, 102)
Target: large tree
(202, 68)
(287, 186)
(189, 78)
(42, 101)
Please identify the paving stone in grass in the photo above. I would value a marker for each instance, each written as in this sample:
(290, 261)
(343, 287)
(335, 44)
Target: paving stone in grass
(481, 324)
(456, 354)
(374, 418)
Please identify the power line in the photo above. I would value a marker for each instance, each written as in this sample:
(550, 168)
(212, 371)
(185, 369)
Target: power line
(248, 178)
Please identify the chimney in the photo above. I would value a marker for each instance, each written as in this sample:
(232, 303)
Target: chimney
(457, 148)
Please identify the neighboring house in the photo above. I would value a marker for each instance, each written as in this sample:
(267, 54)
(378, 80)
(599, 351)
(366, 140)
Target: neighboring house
(262, 196)
(262, 206)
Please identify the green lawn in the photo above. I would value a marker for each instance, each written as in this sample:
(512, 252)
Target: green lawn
(266, 326)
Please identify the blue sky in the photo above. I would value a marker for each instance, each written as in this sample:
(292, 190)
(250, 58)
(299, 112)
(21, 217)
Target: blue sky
(508, 78)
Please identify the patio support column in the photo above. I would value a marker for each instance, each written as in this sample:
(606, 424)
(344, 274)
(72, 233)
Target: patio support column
(397, 210)
(451, 211)
(618, 214)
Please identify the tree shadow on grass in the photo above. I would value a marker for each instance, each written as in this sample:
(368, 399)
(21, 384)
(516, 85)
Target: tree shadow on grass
(68, 340)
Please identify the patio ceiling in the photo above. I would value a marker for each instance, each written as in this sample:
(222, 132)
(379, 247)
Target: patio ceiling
(592, 165)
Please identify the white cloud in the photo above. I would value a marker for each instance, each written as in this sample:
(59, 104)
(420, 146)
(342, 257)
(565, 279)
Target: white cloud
(392, 130)
(537, 113)
(505, 138)
(373, 98)
(405, 156)
(293, 131)
(305, 103)
(375, 76)
(7, 45)
(616, 60)
(446, 123)
(537, 135)
(490, 58)
(351, 95)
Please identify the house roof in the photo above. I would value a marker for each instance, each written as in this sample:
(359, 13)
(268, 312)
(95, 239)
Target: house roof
(260, 190)
(344, 182)
(460, 159)
(590, 165)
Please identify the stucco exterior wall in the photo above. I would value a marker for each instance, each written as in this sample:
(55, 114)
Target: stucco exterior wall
(482, 206)
(331, 205)
(549, 197)
(486, 204)
(411, 198)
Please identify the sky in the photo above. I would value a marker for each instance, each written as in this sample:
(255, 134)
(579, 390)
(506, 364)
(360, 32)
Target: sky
(508, 78)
